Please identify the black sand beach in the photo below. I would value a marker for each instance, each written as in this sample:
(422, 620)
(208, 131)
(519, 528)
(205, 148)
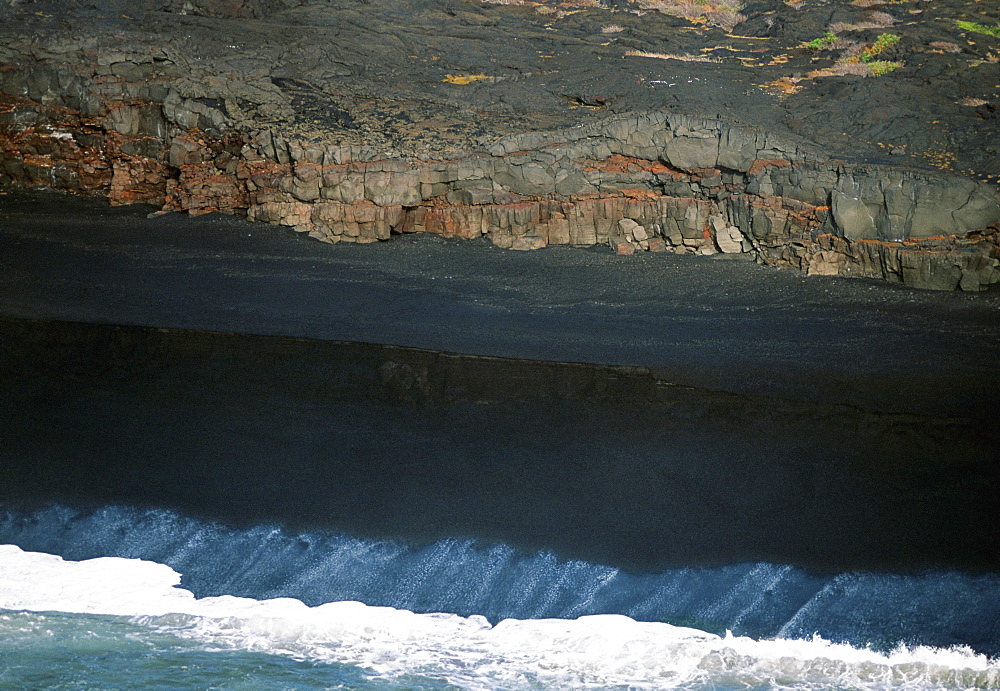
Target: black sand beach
(500, 343)
(712, 322)
(759, 415)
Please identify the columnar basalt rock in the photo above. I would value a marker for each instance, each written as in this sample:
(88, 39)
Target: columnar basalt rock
(651, 181)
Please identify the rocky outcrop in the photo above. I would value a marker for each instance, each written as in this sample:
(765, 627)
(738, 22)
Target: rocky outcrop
(135, 127)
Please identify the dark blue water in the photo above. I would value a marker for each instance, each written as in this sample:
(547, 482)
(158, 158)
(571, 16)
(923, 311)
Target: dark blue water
(465, 577)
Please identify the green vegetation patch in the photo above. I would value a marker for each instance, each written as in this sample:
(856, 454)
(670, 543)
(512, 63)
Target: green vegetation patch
(824, 41)
(883, 42)
(880, 67)
(993, 31)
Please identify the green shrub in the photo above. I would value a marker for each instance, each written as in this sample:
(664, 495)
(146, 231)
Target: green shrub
(880, 67)
(881, 43)
(823, 42)
(993, 31)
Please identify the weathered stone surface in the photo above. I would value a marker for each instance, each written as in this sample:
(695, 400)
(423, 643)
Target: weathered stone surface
(826, 263)
(730, 240)
(657, 245)
(622, 245)
(627, 226)
(693, 152)
(852, 216)
(141, 121)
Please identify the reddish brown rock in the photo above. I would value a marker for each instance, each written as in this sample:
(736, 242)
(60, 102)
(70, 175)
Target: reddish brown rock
(338, 193)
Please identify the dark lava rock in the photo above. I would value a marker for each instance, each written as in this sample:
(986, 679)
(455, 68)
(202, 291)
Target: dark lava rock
(555, 64)
(256, 106)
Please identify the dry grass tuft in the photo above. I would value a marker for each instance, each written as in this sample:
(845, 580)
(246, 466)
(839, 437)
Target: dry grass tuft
(725, 18)
(872, 20)
(785, 86)
(556, 10)
(849, 46)
(852, 51)
(841, 27)
(463, 79)
(723, 15)
(853, 66)
(686, 57)
(881, 20)
(946, 46)
(991, 59)
(844, 67)
(544, 9)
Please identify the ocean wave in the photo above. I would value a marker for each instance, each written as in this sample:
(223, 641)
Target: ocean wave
(878, 611)
(598, 651)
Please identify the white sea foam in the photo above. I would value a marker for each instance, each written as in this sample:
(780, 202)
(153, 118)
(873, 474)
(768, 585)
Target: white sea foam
(592, 651)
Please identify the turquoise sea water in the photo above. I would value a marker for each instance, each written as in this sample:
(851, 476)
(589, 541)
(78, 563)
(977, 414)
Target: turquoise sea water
(78, 651)
(81, 651)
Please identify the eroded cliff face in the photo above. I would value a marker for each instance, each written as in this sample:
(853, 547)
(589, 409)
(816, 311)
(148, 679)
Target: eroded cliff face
(133, 126)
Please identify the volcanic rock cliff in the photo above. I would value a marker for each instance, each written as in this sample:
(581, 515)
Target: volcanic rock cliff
(534, 124)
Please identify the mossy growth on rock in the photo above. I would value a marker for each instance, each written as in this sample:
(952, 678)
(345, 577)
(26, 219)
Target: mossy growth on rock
(975, 27)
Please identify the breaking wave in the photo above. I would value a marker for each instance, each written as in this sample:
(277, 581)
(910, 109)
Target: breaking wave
(489, 616)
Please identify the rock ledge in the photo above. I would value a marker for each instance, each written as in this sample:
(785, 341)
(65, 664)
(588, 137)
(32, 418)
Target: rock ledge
(130, 125)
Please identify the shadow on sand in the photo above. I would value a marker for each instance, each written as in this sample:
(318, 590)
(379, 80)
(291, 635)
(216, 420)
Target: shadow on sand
(614, 465)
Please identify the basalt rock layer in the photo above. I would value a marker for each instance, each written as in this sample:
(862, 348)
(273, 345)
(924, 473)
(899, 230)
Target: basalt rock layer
(176, 120)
